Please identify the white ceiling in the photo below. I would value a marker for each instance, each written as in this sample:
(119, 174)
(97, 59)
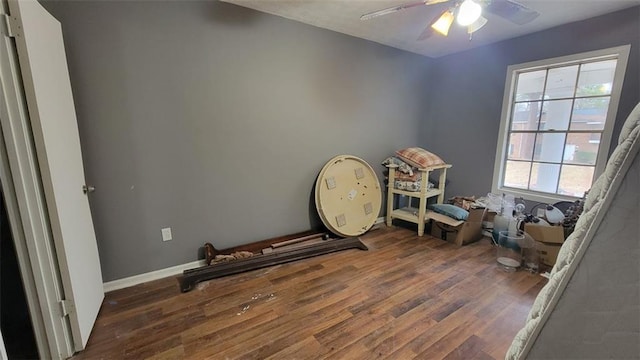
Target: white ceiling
(401, 29)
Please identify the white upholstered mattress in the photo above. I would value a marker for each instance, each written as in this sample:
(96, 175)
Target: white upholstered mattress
(590, 308)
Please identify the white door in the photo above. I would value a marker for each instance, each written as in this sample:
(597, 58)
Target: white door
(51, 110)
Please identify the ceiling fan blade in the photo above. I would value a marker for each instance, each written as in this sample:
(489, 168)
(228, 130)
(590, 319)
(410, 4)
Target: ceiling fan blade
(426, 33)
(393, 9)
(477, 25)
(512, 11)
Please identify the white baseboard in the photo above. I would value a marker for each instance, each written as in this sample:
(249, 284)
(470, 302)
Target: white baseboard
(163, 273)
(150, 276)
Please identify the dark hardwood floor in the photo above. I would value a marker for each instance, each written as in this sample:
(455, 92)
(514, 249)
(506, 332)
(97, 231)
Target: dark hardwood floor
(407, 297)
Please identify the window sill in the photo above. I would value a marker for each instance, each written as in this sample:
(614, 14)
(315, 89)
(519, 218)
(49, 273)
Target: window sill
(533, 195)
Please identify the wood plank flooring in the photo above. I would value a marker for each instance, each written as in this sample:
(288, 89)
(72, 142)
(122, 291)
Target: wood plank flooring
(407, 297)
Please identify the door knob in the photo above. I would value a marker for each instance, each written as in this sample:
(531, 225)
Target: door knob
(87, 189)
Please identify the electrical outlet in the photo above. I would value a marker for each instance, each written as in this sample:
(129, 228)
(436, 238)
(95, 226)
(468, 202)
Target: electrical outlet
(166, 234)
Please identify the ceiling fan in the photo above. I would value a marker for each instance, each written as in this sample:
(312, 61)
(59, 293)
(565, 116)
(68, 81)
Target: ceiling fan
(466, 12)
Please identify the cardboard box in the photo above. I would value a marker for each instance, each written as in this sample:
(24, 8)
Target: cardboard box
(463, 234)
(476, 215)
(545, 234)
(548, 252)
(549, 240)
(489, 216)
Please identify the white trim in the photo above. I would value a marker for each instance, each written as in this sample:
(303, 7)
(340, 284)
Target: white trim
(163, 273)
(150, 276)
(616, 91)
(621, 53)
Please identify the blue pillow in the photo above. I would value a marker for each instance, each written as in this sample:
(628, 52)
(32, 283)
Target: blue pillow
(451, 211)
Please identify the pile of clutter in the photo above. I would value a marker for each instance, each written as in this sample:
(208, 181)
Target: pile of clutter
(510, 213)
(543, 228)
(230, 257)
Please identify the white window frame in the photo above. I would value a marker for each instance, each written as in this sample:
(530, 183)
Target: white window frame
(621, 53)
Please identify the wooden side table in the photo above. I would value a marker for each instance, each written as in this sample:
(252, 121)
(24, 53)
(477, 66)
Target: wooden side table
(419, 215)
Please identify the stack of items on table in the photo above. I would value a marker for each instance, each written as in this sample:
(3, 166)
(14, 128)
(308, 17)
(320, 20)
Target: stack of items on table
(409, 161)
(416, 195)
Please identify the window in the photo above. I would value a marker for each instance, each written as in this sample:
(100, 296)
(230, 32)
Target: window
(557, 119)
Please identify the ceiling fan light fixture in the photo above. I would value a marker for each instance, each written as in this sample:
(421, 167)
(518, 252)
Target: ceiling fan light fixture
(443, 24)
(468, 12)
(477, 25)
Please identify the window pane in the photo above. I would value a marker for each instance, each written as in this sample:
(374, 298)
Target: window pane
(526, 115)
(544, 177)
(516, 174)
(530, 85)
(521, 146)
(556, 120)
(590, 113)
(596, 78)
(561, 82)
(556, 115)
(575, 180)
(549, 147)
(582, 148)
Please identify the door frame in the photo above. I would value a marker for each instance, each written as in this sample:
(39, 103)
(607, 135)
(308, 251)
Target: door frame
(26, 207)
(22, 252)
(3, 350)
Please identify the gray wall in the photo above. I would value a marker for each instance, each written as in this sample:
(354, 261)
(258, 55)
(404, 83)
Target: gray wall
(215, 120)
(463, 116)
